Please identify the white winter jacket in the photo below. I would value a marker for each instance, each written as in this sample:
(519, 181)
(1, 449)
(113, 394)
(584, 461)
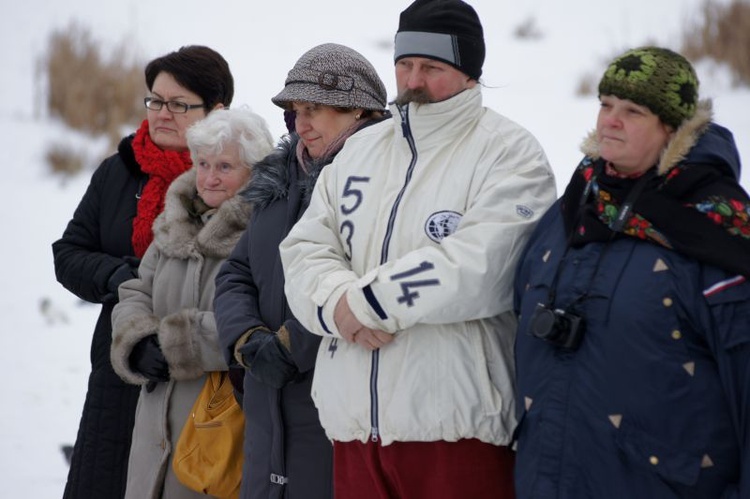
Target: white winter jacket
(420, 221)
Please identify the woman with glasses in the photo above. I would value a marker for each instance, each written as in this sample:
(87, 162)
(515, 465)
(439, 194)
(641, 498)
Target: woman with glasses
(633, 346)
(163, 330)
(109, 233)
(334, 92)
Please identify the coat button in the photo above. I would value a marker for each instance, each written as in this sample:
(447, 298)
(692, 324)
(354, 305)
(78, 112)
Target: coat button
(667, 302)
(676, 334)
(653, 460)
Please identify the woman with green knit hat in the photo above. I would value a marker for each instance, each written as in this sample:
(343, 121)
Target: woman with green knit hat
(633, 348)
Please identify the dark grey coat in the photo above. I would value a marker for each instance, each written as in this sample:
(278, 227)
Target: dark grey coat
(286, 451)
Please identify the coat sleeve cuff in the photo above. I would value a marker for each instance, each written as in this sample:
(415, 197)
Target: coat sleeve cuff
(325, 313)
(124, 339)
(241, 341)
(178, 337)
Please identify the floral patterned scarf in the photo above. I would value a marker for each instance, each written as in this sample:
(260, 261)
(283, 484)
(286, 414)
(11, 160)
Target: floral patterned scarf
(693, 209)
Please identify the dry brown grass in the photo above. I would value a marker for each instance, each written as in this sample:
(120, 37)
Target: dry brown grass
(89, 91)
(722, 33)
(64, 160)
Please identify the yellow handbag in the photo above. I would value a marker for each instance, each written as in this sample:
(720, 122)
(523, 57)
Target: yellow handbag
(208, 456)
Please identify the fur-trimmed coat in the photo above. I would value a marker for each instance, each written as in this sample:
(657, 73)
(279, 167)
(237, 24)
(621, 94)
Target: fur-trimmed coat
(173, 297)
(653, 402)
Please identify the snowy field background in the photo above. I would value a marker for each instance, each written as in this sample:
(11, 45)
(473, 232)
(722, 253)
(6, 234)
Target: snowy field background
(46, 357)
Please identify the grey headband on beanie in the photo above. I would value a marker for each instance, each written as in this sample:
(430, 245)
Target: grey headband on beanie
(435, 45)
(333, 75)
(443, 30)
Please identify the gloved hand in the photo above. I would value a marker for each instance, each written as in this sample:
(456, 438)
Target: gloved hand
(267, 359)
(125, 272)
(148, 360)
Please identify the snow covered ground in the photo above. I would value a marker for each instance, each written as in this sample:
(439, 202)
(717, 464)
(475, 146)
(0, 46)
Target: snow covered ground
(45, 355)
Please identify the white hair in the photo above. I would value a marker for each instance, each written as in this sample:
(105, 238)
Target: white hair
(222, 126)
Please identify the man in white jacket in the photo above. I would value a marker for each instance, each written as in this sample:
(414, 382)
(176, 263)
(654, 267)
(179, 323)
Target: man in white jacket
(404, 263)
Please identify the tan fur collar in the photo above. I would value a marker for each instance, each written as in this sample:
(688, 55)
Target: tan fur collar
(178, 235)
(683, 139)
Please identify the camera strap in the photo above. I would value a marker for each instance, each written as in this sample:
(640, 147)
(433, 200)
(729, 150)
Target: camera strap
(623, 213)
(627, 207)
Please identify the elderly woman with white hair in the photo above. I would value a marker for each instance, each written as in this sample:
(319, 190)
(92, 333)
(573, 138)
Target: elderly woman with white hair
(164, 333)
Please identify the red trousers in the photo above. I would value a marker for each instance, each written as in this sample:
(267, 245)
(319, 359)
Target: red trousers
(422, 470)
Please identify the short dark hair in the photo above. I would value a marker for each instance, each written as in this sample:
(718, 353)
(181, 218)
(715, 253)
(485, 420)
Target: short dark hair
(199, 69)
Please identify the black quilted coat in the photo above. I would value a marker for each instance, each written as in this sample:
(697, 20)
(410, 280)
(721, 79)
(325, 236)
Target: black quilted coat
(90, 250)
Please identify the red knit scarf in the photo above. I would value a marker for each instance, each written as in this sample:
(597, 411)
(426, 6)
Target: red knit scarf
(162, 167)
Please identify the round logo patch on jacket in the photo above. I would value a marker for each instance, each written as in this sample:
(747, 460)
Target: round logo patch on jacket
(442, 224)
(524, 211)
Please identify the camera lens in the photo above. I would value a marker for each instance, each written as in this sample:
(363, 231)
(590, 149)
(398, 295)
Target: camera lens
(559, 327)
(543, 322)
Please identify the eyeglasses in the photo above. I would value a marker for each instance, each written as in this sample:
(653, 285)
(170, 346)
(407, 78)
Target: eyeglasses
(173, 106)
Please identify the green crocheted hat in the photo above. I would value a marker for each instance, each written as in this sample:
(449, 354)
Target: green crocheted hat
(657, 78)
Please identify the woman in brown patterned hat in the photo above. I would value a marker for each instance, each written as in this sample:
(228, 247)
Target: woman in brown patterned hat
(334, 92)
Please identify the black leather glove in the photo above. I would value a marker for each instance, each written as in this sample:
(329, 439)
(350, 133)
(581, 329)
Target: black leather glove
(267, 359)
(237, 378)
(125, 272)
(148, 360)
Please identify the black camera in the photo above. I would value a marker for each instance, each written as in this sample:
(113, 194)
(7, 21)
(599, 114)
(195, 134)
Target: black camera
(559, 327)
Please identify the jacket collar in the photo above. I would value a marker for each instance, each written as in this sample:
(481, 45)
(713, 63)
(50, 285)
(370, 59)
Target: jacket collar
(428, 121)
(274, 174)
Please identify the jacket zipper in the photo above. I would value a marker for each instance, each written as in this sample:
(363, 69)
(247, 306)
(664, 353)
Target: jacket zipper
(375, 435)
(406, 130)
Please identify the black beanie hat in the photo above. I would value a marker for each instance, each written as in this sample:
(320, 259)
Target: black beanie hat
(445, 30)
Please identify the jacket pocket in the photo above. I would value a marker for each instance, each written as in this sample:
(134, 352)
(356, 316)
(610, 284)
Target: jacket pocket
(669, 462)
(490, 364)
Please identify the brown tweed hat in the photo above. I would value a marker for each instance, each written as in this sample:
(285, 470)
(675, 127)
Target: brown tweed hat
(333, 75)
